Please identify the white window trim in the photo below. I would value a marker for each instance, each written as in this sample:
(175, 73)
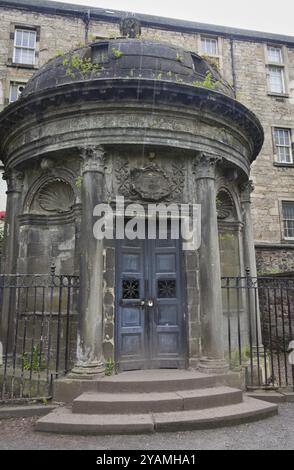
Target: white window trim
(289, 129)
(213, 38)
(284, 201)
(269, 62)
(22, 47)
(283, 65)
(282, 68)
(15, 82)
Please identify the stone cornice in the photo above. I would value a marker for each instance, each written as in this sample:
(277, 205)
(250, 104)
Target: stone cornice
(140, 91)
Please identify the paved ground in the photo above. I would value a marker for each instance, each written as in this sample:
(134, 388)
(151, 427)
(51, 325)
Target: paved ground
(273, 433)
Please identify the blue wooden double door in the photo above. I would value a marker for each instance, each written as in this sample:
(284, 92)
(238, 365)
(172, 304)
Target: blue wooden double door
(150, 325)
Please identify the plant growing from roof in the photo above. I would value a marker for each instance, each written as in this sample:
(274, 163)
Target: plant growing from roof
(208, 82)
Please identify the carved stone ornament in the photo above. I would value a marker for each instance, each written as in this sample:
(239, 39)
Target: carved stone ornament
(205, 165)
(130, 27)
(150, 183)
(56, 196)
(93, 158)
(246, 190)
(14, 179)
(224, 205)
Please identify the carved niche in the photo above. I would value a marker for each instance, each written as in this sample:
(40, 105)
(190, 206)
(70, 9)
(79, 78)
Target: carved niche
(56, 196)
(151, 182)
(224, 205)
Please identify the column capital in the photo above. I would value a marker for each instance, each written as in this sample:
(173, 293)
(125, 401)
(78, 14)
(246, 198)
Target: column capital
(204, 165)
(93, 158)
(246, 190)
(14, 180)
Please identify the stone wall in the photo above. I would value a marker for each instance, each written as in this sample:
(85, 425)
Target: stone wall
(274, 260)
(273, 184)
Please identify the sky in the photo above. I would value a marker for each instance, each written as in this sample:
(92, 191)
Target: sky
(261, 15)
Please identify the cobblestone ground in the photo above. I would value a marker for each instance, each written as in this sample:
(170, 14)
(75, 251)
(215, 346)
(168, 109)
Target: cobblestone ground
(273, 433)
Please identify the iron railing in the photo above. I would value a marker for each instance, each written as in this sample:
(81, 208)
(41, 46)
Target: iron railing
(259, 327)
(37, 332)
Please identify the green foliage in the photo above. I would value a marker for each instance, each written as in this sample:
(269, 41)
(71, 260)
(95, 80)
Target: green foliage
(109, 367)
(179, 57)
(35, 361)
(79, 181)
(213, 61)
(76, 64)
(208, 82)
(59, 52)
(116, 52)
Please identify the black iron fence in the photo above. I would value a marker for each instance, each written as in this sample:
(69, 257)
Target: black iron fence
(259, 327)
(38, 330)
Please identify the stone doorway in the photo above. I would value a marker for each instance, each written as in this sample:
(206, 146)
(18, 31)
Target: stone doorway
(150, 332)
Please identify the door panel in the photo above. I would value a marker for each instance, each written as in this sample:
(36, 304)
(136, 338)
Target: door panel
(167, 324)
(131, 337)
(149, 336)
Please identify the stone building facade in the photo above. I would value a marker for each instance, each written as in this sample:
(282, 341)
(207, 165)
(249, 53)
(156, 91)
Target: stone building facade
(259, 67)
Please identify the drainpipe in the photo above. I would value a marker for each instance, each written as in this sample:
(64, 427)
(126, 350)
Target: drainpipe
(86, 20)
(233, 66)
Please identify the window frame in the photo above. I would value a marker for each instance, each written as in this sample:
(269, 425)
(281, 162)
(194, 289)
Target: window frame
(283, 81)
(210, 38)
(14, 83)
(283, 204)
(282, 65)
(26, 27)
(271, 62)
(277, 146)
(22, 47)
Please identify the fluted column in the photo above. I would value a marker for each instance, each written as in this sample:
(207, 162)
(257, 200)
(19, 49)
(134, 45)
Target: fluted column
(90, 361)
(250, 263)
(212, 331)
(14, 180)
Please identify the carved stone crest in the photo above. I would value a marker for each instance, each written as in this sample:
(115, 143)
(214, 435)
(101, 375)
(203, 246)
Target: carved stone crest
(151, 182)
(130, 27)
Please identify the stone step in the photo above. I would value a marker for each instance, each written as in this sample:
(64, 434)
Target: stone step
(127, 403)
(144, 381)
(63, 420)
(163, 380)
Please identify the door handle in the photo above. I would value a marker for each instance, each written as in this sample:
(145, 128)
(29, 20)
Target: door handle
(150, 303)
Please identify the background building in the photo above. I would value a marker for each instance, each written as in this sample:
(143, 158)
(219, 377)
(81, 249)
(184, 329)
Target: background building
(259, 66)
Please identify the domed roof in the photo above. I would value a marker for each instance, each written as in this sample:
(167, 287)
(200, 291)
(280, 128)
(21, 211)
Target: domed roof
(126, 58)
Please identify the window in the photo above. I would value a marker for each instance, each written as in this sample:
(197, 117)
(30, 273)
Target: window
(276, 79)
(282, 138)
(209, 46)
(24, 51)
(16, 90)
(274, 55)
(288, 219)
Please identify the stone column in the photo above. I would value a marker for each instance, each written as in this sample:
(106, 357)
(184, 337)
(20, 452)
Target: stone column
(212, 332)
(10, 254)
(250, 262)
(89, 349)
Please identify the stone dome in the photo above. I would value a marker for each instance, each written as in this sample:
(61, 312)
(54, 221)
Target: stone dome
(128, 59)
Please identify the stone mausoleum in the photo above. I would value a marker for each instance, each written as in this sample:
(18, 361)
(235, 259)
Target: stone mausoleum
(156, 124)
